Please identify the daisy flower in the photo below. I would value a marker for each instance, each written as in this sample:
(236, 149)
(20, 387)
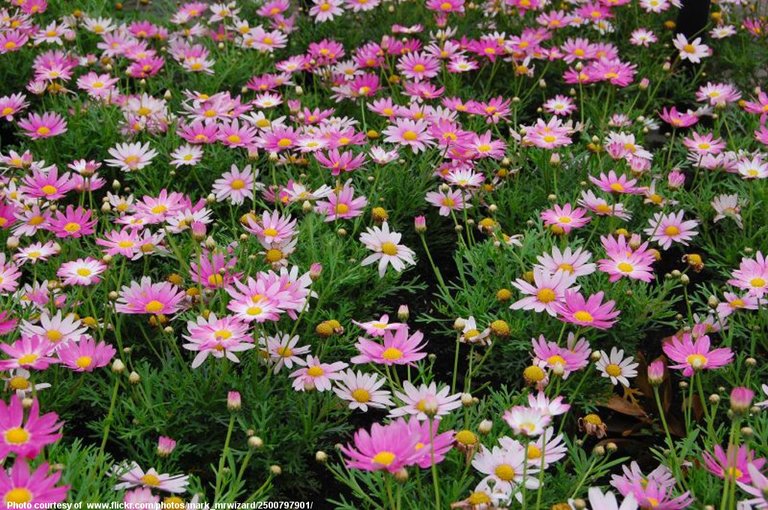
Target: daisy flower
(282, 351)
(412, 133)
(9, 275)
(72, 222)
(388, 447)
(81, 271)
(85, 355)
(752, 275)
(147, 297)
(11, 105)
(386, 248)
(29, 352)
(692, 51)
(21, 487)
(616, 367)
(131, 475)
(733, 464)
(563, 219)
(397, 348)
(668, 228)
(447, 201)
(218, 337)
(545, 292)
(591, 312)
(425, 402)
(46, 125)
(186, 155)
(57, 328)
(506, 467)
(378, 328)
(559, 360)
(236, 185)
(316, 375)
(624, 261)
(695, 355)
(342, 204)
(574, 262)
(26, 438)
(527, 421)
(130, 157)
(362, 390)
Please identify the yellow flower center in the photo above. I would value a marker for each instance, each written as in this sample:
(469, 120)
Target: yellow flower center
(315, 371)
(757, 282)
(613, 370)
(271, 232)
(505, 472)
(625, 267)
(556, 360)
(150, 479)
(419, 68)
(384, 458)
(131, 160)
(688, 48)
(568, 268)
(549, 138)
(72, 227)
(84, 361)
(126, 244)
(84, 271)
(565, 219)
(18, 383)
(54, 335)
(18, 494)
(284, 142)
(43, 130)
(234, 139)
(466, 437)
(215, 280)
(392, 354)
(546, 295)
(48, 189)
(342, 208)
(238, 184)
(389, 248)
(274, 255)
(534, 374)
(16, 435)
(361, 395)
(410, 135)
(583, 316)
(534, 452)
(28, 359)
(479, 498)
(253, 310)
(696, 361)
(153, 306)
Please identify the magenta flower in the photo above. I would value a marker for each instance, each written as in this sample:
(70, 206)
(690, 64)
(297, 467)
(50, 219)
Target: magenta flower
(148, 297)
(386, 447)
(29, 352)
(397, 349)
(72, 223)
(733, 463)
(46, 125)
(591, 312)
(26, 438)
(85, 355)
(692, 356)
(20, 487)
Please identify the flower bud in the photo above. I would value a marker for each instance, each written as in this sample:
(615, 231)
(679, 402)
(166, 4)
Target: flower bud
(134, 378)
(321, 457)
(485, 427)
(234, 402)
(403, 313)
(420, 224)
(741, 399)
(255, 442)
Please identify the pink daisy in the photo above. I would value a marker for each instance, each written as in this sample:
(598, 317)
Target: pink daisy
(85, 355)
(147, 297)
(591, 312)
(43, 126)
(695, 355)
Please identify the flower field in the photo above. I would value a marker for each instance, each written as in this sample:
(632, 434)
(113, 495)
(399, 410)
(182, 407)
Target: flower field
(384, 254)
